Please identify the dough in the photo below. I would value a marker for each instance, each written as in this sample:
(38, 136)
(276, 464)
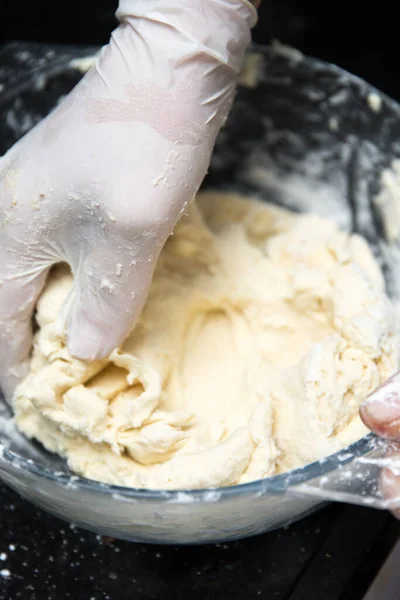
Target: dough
(263, 332)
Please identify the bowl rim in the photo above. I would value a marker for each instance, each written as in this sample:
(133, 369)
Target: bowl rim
(276, 484)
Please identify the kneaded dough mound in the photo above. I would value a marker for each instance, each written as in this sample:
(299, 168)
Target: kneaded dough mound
(262, 334)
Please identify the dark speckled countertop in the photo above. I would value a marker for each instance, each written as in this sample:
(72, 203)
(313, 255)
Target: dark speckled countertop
(331, 555)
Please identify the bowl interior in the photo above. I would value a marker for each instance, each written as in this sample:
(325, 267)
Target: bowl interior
(302, 134)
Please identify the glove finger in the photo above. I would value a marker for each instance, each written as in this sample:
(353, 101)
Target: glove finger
(109, 292)
(381, 411)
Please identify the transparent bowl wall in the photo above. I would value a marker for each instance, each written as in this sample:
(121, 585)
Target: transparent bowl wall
(301, 134)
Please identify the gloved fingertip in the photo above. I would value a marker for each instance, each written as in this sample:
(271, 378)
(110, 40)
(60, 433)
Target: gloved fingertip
(381, 411)
(390, 481)
(88, 342)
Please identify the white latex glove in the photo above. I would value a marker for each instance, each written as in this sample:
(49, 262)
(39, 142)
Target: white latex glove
(100, 183)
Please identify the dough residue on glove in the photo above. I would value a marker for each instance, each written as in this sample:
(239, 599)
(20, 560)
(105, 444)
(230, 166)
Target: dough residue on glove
(263, 332)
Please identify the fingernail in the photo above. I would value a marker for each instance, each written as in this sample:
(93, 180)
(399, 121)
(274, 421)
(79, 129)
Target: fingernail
(382, 408)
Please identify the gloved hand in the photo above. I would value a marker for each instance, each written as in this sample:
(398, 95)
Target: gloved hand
(381, 413)
(101, 182)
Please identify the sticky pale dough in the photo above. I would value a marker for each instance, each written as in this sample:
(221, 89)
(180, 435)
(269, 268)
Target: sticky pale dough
(263, 332)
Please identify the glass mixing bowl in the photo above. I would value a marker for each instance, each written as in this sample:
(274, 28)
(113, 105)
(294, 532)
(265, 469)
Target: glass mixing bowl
(303, 134)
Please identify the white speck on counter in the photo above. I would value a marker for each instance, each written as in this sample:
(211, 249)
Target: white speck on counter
(333, 124)
(11, 547)
(5, 573)
(3, 556)
(374, 102)
(118, 270)
(111, 217)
